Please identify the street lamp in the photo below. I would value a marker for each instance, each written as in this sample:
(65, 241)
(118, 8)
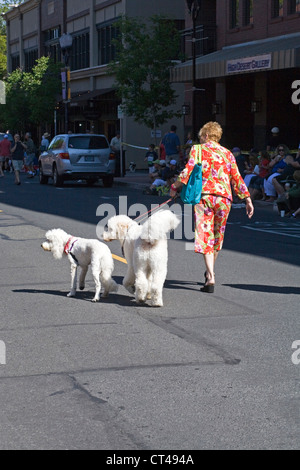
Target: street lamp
(194, 8)
(66, 41)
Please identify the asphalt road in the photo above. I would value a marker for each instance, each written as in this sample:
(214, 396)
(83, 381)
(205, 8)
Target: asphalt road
(202, 372)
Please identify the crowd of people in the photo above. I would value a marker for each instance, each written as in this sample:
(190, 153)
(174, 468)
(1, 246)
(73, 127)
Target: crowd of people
(17, 155)
(271, 175)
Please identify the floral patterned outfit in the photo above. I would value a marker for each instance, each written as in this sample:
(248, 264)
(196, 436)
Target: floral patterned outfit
(219, 172)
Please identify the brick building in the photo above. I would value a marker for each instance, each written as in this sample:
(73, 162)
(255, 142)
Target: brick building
(34, 29)
(246, 83)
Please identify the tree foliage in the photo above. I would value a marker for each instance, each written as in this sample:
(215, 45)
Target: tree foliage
(31, 96)
(4, 7)
(144, 55)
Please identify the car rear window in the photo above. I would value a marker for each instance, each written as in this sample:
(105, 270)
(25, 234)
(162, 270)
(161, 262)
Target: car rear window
(88, 142)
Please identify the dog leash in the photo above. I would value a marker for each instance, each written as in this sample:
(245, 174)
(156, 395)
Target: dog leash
(155, 209)
(145, 215)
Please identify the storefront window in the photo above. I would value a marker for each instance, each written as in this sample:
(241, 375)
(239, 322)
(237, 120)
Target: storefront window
(234, 13)
(277, 8)
(248, 12)
(293, 6)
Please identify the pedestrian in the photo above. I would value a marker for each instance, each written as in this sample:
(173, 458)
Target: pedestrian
(44, 142)
(150, 157)
(18, 157)
(30, 155)
(219, 172)
(171, 143)
(115, 145)
(5, 152)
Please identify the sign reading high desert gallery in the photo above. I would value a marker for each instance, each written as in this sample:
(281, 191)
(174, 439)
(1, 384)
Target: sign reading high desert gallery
(249, 64)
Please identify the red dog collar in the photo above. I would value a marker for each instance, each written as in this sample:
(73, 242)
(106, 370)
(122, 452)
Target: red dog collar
(68, 246)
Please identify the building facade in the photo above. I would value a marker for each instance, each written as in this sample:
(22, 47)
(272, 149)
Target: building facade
(34, 29)
(248, 82)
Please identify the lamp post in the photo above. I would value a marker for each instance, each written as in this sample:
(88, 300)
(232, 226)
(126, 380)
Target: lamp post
(194, 8)
(66, 41)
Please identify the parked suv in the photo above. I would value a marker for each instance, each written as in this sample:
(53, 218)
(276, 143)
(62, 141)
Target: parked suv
(77, 156)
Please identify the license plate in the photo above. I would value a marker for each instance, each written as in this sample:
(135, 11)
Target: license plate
(89, 158)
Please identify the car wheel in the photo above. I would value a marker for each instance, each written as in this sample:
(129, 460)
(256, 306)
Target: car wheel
(108, 181)
(43, 179)
(57, 179)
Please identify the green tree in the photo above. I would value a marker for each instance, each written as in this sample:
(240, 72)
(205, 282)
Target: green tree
(31, 96)
(4, 7)
(144, 55)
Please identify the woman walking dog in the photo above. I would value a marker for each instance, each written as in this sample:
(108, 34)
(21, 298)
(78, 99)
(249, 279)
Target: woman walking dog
(219, 172)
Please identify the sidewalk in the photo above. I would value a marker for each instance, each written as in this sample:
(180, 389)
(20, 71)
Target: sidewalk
(137, 179)
(140, 180)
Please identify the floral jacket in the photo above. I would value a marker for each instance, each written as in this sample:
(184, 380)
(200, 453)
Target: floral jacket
(219, 171)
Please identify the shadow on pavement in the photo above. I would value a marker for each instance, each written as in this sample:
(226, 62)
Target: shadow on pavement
(265, 288)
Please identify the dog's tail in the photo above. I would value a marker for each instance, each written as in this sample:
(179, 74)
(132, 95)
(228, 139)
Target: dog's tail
(158, 225)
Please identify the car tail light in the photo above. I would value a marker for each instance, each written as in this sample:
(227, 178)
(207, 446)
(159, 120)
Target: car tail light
(112, 156)
(64, 156)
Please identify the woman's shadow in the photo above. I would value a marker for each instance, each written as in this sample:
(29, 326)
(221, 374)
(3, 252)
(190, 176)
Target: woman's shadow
(266, 288)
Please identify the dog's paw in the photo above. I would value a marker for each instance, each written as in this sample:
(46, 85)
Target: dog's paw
(95, 299)
(157, 303)
(82, 287)
(130, 289)
(71, 294)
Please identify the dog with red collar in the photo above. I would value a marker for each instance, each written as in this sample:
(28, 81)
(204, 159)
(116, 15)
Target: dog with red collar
(84, 253)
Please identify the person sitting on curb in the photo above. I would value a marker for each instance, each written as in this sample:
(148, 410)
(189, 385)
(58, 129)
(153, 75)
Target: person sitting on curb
(163, 178)
(293, 164)
(290, 200)
(156, 173)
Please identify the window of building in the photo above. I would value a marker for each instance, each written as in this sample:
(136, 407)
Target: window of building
(80, 53)
(277, 8)
(30, 58)
(248, 12)
(293, 6)
(51, 44)
(234, 13)
(106, 48)
(15, 62)
(52, 34)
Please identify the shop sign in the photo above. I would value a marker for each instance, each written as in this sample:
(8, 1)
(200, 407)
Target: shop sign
(249, 64)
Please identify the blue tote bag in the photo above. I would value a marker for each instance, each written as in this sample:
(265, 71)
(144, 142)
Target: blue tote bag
(191, 192)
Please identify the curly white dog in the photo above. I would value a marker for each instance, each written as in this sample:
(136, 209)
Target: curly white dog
(83, 252)
(145, 248)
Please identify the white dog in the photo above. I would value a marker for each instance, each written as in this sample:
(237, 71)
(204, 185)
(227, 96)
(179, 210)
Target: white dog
(83, 252)
(145, 248)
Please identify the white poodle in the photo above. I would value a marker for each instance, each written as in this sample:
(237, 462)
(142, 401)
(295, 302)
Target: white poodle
(145, 248)
(83, 252)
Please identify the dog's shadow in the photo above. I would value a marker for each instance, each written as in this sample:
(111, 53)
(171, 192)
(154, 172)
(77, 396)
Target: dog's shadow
(85, 296)
(114, 297)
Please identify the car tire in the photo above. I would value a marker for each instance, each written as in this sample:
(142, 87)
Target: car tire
(108, 181)
(57, 179)
(43, 179)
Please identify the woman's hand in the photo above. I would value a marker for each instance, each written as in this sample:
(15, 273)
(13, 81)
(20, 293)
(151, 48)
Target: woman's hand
(249, 207)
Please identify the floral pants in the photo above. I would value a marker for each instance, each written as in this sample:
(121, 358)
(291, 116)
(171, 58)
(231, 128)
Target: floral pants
(211, 215)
